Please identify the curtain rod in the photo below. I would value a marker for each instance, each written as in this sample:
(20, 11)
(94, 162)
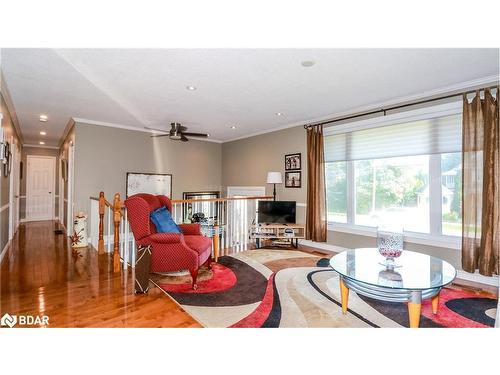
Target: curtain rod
(384, 110)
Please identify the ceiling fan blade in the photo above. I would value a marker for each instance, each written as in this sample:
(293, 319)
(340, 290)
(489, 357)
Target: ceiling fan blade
(195, 134)
(160, 135)
(183, 138)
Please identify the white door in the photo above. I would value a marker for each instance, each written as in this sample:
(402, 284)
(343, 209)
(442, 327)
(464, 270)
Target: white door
(40, 187)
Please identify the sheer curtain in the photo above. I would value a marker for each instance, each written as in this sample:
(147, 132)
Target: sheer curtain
(316, 227)
(481, 190)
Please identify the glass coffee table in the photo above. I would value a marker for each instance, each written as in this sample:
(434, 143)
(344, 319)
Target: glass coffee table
(414, 278)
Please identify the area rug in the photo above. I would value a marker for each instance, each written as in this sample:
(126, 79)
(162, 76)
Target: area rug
(288, 288)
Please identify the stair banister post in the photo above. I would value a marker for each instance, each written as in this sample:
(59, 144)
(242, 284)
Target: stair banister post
(102, 207)
(117, 206)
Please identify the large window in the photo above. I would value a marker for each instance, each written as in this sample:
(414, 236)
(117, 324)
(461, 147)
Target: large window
(393, 192)
(336, 191)
(395, 172)
(451, 193)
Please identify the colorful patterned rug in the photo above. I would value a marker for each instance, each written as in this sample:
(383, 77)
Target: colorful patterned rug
(288, 288)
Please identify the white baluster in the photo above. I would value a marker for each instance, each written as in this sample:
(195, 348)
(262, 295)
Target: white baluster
(125, 243)
(242, 224)
(221, 224)
(134, 251)
(245, 222)
(108, 229)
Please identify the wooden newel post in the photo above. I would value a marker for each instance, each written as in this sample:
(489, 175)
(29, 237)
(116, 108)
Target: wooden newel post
(216, 242)
(117, 207)
(102, 206)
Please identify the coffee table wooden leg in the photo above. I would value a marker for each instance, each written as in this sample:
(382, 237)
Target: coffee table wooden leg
(435, 304)
(414, 308)
(344, 295)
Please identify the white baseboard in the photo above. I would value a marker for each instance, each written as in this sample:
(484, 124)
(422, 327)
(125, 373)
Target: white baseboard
(4, 250)
(462, 275)
(323, 246)
(477, 278)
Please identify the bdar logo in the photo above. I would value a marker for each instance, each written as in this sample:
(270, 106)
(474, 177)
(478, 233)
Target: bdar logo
(8, 320)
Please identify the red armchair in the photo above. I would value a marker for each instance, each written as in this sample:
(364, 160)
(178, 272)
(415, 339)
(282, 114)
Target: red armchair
(169, 251)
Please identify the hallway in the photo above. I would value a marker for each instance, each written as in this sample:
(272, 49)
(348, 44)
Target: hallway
(41, 275)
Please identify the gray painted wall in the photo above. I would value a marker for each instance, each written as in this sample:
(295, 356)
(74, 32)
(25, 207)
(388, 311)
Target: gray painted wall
(9, 131)
(104, 155)
(247, 161)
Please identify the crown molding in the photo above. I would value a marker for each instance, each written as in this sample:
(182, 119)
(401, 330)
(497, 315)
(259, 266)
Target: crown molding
(457, 88)
(82, 121)
(41, 146)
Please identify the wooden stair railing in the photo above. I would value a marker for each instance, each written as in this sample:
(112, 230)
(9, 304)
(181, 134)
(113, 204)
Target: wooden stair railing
(116, 207)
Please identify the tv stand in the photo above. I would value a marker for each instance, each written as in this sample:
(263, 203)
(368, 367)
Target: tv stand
(276, 232)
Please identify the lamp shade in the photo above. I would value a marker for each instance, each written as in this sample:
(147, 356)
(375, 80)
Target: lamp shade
(274, 178)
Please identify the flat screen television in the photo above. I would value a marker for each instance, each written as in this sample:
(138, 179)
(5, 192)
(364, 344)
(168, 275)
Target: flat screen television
(279, 212)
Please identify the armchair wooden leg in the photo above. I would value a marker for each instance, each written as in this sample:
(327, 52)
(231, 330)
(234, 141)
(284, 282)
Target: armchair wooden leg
(208, 263)
(194, 276)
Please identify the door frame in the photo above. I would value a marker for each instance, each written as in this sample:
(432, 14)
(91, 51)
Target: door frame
(60, 181)
(71, 175)
(14, 191)
(28, 177)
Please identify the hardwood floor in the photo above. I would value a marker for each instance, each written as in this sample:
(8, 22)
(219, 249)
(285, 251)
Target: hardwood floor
(40, 275)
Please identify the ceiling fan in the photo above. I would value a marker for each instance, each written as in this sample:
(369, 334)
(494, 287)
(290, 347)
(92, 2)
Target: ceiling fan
(178, 132)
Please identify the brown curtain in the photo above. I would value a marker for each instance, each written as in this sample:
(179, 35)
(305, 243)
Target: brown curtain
(480, 184)
(316, 193)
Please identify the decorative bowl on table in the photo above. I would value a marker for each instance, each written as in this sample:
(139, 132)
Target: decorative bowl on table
(390, 245)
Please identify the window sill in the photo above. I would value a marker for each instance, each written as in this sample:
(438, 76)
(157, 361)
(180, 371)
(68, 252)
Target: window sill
(449, 242)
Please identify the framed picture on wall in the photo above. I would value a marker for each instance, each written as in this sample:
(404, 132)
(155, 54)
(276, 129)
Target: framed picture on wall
(293, 179)
(293, 162)
(151, 183)
(7, 159)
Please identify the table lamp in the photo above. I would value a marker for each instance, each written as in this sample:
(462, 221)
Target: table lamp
(274, 178)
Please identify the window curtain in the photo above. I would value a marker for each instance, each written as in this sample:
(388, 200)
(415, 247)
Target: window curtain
(316, 227)
(480, 184)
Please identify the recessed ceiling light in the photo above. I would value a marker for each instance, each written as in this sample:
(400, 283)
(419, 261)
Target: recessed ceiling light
(208, 135)
(42, 143)
(191, 88)
(233, 127)
(279, 113)
(43, 118)
(43, 133)
(307, 63)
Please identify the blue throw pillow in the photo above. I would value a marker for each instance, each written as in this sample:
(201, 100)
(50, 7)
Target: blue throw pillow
(163, 221)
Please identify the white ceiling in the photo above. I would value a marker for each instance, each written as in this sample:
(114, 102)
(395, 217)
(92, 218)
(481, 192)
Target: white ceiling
(235, 87)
